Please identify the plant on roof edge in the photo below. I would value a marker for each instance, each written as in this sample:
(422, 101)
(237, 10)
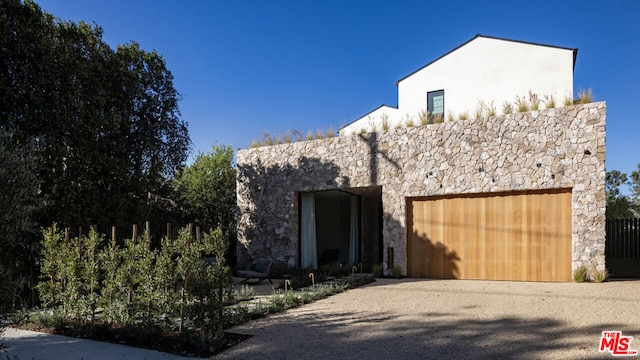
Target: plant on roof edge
(409, 122)
(480, 109)
(268, 139)
(521, 104)
(330, 132)
(507, 107)
(585, 96)
(297, 134)
(491, 109)
(385, 121)
(463, 115)
(423, 115)
(568, 100)
(549, 102)
(287, 138)
(534, 100)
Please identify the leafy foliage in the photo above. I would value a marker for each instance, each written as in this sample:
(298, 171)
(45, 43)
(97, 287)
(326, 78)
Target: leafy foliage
(136, 284)
(208, 191)
(621, 206)
(105, 121)
(21, 201)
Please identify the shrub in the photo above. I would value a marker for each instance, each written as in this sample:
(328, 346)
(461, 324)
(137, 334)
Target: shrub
(580, 274)
(534, 100)
(268, 139)
(438, 119)
(330, 132)
(480, 109)
(507, 107)
(385, 122)
(287, 137)
(396, 272)
(423, 115)
(549, 101)
(297, 134)
(450, 117)
(377, 270)
(491, 109)
(521, 104)
(568, 101)
(463, 115)
(585, 96)
(409, 122)
(245, 293)
(599, 276)
(309, 135)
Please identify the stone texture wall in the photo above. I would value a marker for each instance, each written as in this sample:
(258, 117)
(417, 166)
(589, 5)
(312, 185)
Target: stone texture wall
(546, 149)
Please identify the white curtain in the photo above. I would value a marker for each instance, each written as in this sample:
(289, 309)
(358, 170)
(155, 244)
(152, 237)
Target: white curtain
(354, 233)
(309, 249)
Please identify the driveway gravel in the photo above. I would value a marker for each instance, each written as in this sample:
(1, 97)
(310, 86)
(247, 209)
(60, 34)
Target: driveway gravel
(449, 319)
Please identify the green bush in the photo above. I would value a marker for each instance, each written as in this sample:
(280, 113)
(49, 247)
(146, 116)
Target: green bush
(580, 274)
(599, 276)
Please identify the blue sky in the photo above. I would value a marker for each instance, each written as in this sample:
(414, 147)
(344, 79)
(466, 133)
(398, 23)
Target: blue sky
(244, 67)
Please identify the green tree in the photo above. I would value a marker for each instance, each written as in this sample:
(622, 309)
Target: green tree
(21, 201)
(619, 206)
(107, 121)
(635, 185)
(208, 190)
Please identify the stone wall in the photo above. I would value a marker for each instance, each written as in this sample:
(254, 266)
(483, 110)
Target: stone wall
(546, 149)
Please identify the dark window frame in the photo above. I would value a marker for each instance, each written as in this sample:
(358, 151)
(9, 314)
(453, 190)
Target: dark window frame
(430, 96)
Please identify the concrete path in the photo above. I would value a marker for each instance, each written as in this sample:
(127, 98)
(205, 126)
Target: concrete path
(30, 345)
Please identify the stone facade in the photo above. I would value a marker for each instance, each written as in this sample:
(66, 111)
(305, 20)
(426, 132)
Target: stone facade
(548, 149)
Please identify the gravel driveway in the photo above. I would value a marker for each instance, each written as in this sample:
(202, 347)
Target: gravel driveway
(439, 319)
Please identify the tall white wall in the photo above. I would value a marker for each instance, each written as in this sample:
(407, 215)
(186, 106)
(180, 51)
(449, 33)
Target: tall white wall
(484, 69)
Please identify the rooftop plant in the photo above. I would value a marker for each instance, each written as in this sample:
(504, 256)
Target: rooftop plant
(549, 102)
(531, 101)
(522, 105)
(507, 107)
(585, 96)
(534, 100)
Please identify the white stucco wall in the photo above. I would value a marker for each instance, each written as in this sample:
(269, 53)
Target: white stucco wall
(484, 69)
(373, 121)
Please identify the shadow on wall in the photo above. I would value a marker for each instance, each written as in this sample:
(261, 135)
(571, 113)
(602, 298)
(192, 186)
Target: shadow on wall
(372, 141)
(427, 259)
(267, 197)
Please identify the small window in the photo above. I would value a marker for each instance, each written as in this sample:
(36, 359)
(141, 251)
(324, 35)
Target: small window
(435, 104)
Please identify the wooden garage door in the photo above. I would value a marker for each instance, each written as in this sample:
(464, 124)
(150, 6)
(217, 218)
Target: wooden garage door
(504, 236)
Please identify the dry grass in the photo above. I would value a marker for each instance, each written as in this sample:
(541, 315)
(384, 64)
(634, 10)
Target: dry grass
(599, 276)
(580, 274)
(522, 105)
(507, 107)
(585, 96)
(549, 102)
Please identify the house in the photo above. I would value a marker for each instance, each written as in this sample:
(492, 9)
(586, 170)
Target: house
(516, 196)
(480, 74)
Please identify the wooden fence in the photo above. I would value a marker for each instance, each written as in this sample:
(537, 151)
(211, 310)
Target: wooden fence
(622, 247)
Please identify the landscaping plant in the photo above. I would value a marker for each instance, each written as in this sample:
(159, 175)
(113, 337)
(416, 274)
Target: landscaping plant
(580, 274)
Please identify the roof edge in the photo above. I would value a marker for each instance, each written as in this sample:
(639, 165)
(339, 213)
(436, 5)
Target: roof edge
(575, 51)
(383, 105)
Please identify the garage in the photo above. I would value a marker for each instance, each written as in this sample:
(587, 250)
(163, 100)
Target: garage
(521, 236)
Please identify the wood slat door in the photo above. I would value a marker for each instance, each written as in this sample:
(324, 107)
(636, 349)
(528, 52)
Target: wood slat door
(504, 236)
